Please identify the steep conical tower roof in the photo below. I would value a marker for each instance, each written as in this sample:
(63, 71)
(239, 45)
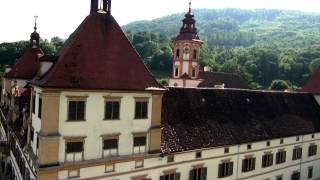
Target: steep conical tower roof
(98, 55)
(188, 30)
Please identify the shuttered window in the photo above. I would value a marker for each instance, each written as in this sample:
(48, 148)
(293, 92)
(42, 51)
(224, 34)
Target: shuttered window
(112, 110)
(198, 174)
(312, 150)
(295, 176)
(267, 160)
(76, 111)
(248, 164)
(297, 153)
(281, 157)
(225, 169)
(141, 111)
(173, 176)
(74, 147)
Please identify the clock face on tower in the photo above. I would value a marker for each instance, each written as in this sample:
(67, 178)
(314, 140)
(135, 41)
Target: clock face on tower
(186, 49)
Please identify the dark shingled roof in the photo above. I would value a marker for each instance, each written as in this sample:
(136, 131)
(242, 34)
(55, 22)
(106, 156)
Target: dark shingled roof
(98, 55)
(230, 80)
(27, 65)
(313, 84)
(203, 118)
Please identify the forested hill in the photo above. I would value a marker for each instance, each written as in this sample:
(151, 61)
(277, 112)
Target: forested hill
(237, 27)
(262, 45)
(269, 48)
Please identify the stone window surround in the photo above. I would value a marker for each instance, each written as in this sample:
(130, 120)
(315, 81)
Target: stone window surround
(77, 98)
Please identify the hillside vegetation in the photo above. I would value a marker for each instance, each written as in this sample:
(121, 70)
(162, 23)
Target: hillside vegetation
(264, 46)
(261, 45)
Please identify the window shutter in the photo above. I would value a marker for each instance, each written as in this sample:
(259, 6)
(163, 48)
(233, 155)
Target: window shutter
(271, 156)
(243, 165)
(72, 111)
(191, 174)
(220, 170)
(278, 158)
(177, 176)
(253, 164)
(264, 160)
(231, 168)
(284, 156)
(161, 177)
(204, 174)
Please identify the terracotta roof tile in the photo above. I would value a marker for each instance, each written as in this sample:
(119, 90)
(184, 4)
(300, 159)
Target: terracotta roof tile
(203, 118)
(27, 66)
(211, 79)
(98, 55)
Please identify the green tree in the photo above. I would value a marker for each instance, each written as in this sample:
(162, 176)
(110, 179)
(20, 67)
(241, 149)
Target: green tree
(279, 85)
(314, 65)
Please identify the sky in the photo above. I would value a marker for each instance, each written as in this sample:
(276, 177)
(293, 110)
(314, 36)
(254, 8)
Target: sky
(61, 17)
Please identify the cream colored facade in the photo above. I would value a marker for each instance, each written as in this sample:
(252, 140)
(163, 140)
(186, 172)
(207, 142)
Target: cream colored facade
(154, 167)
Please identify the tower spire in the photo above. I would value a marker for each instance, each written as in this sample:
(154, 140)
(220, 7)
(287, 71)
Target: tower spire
(190, 3)
(35, 37)
(100, 6)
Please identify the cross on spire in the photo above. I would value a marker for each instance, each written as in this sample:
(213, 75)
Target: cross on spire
(35, 23)
(190, 3)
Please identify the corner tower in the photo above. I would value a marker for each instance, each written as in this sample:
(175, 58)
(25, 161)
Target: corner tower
(186, 58)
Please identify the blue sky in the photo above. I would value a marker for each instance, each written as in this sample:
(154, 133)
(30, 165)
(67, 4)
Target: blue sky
(61, 17)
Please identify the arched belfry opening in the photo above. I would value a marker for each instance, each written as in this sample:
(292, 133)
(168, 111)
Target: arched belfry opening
(101, 6)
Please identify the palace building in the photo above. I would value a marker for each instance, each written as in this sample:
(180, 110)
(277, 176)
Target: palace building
(94, 111)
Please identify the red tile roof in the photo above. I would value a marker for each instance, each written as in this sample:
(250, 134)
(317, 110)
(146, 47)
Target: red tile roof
(27, 66)
(211, 79)
(313, 84)
(98, 55)
(203, 118)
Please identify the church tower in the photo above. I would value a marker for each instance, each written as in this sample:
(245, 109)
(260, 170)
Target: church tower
(186, 57)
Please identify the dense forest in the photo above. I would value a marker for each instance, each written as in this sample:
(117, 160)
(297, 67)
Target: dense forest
(267, 47)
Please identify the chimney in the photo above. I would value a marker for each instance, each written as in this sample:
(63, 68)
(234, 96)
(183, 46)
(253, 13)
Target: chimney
(7, 68)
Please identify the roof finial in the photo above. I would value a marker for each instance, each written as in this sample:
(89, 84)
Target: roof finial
(35, 23)
(190, 6)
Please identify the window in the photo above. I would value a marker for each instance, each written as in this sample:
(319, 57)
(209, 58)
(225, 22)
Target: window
(76, 111)
(198, 174)
(75, 173)
(139, 164)
(295, 176)
(267, 160)
(279, 177)
(40, 108)
(109, 168)
(112, 110)
(170, 159)
(248, 164)
(193, 72)
(281, 141)
(297, 153)
(198, 154)
(297, 138)
(268, 143)
(110, 147)
(139, 144)
(281, 157)
(31, 134)
(74, 151)
(195, 54)
(310, 172)
(33, 104)
(226, 150)
(141, 111)
(312, 150)
(176, 71)
(171, 176)
(312, 136)
(178, 53)
(225, 169)
(249, 146)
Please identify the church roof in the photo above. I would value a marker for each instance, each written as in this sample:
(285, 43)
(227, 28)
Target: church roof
(203, 118)
(98, 55)
(26, 66)
(211, 79)
(313, 84)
